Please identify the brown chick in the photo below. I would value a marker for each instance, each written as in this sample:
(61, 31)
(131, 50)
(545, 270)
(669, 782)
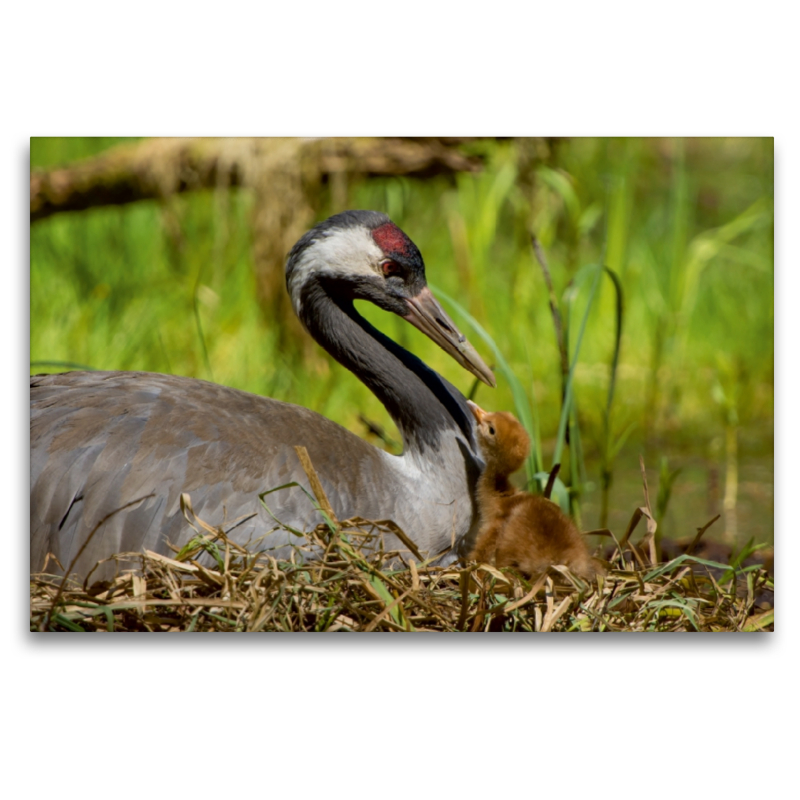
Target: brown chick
(518, 529)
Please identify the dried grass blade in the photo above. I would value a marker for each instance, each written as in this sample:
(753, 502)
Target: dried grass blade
(402, 536)
(700, 532)
(395, 609)
(181, 566)
(464, 581)
(760, 621)
(412, 567)
(537, 587)
(551, 480)
(316, 485)
(637, 515)
(553, 616)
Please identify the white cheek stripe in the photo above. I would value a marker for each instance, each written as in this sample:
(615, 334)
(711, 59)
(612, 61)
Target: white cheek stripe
(351, 251)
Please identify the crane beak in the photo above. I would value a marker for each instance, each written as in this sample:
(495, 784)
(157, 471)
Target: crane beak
(426, 314)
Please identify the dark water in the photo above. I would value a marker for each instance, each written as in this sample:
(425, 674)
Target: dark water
(697, 496)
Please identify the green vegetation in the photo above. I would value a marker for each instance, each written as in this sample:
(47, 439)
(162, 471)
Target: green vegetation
(685, 226)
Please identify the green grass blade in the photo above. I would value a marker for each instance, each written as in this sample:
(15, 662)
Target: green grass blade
(524, 410)
(572, 293)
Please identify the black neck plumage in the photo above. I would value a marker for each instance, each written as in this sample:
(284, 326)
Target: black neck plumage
(422, 404)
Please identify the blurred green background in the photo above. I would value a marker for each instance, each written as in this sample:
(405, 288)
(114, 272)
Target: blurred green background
(687, 225)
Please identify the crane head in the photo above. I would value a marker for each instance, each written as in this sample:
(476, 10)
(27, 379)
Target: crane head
(363, 255)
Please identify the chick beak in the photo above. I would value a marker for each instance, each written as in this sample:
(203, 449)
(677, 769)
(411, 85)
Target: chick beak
(477, 411)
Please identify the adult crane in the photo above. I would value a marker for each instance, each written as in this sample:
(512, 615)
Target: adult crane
(132, 442)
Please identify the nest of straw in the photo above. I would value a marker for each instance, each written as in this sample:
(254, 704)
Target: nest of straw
(343, 589)
(339, 577)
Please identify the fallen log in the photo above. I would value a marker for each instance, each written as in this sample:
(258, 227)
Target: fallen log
(158, 168)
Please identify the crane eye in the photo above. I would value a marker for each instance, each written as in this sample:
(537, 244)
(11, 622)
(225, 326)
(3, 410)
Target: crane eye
(390, 268)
